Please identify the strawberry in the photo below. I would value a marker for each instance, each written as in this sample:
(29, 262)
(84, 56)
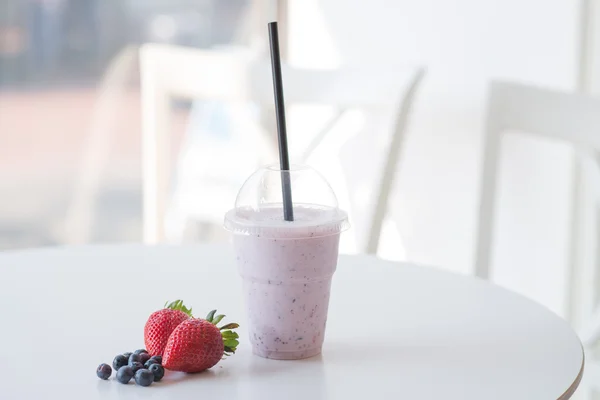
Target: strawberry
(161, 324)
(198, 344)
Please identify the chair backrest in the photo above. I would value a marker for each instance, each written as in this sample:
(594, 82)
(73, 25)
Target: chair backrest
(234, 74)
(237, 76)
(570, 117)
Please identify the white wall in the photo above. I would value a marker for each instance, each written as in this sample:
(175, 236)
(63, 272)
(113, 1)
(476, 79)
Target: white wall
(463, 43)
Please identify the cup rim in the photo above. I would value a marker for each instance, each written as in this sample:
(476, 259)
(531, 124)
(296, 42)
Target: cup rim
(337, 223)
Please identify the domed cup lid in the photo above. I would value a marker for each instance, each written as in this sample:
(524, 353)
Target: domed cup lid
(259, 205)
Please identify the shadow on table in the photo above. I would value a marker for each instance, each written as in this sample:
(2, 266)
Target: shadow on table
(290, 379)
(251, 367)
(217, 373)
(248, 377)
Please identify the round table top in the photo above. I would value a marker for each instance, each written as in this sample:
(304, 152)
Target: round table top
(393, 330)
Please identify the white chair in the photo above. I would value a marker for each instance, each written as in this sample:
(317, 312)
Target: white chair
(573, 118)
(236, 77)
(112, 90)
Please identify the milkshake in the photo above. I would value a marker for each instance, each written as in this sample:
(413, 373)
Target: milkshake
(287, 266)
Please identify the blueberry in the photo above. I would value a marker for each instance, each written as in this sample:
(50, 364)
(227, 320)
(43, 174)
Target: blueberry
(126, 355)
(158, 371)
(119, 361)
(133, 357)
(148, 363)
(125, 374)
(135, 366)
(140, 351)
(144, 357)
(158, 359)
(144, 377)
(103, 371)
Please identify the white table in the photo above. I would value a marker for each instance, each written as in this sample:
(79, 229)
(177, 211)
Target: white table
(394, 331)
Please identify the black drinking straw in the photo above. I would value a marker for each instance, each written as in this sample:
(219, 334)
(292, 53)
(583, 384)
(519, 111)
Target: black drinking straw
(284, 157)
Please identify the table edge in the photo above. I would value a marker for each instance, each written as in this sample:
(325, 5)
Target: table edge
(571, 389)
(567, 394)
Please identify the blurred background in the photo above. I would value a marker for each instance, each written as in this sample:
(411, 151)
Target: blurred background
(74, 106)
(54, 61)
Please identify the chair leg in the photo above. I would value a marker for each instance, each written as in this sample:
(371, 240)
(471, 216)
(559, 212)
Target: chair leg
(386, 183)
(485, 228)
(584, 312)
(155, 152)
(575, 284)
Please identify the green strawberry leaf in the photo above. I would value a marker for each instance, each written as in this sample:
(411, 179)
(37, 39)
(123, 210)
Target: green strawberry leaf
(231, 343)
(231, 325)
(210, 315)
(229, 335)
(217, 319)
(178, 305)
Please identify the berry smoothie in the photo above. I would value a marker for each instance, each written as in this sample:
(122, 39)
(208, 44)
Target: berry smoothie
(287, 269)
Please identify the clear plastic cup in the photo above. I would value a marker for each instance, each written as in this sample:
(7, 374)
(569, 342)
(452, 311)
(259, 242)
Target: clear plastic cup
(286, 266)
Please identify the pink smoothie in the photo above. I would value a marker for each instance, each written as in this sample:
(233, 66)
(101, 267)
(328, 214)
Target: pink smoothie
(287, 269)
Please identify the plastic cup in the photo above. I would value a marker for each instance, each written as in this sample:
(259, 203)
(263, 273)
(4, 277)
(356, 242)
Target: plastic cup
(286, 266)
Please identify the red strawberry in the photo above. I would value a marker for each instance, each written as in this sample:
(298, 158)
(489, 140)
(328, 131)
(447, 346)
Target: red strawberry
(161, 324)
(197, 344)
